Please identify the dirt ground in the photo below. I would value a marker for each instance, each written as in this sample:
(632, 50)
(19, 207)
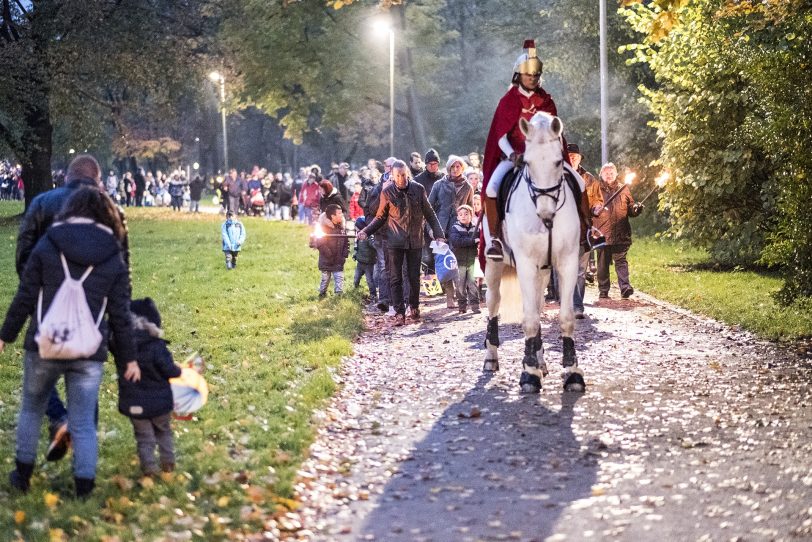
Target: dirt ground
(688, 430)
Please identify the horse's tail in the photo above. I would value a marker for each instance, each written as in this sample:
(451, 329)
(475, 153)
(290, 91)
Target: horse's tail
(511, 310)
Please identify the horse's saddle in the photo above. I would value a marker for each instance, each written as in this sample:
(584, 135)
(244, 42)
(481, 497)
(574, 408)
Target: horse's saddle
(508, 182)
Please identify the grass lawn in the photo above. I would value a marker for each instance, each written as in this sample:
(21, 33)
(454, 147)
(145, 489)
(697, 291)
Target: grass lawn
(270, 347)
(675, 272)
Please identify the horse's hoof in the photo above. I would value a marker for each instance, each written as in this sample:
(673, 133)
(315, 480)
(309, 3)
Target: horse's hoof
(574, 381)
(490, 366)
(529, 383)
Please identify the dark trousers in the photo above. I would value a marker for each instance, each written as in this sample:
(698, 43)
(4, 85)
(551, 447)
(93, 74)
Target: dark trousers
(613, 254)
(411, 256)
(366, 270)
(150, 433)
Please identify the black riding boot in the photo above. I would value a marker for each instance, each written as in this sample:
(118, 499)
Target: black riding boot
(84, 487)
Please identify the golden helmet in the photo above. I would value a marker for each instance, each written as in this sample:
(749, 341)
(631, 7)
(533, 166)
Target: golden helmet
(528, 63)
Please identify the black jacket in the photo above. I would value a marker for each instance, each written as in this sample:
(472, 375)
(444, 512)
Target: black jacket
(40, 215)
(427, 179)
(464, 241)
(334, 198)
(403, 212)
(83, 243)
(196, 189)
(152, 395)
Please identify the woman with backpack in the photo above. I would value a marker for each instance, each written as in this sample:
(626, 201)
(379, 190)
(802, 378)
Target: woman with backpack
(75, 274)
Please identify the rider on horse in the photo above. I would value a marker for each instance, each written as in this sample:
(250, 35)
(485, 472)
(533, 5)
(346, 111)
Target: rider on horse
(506, 142)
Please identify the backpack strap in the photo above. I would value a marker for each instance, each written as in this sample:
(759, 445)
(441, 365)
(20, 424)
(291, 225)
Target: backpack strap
(80, 281)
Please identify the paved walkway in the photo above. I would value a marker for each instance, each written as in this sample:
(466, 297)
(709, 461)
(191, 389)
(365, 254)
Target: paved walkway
(688, 430)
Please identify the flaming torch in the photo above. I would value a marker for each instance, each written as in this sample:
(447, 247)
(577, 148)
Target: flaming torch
(318, 233)
(627, 181)
(659, 182)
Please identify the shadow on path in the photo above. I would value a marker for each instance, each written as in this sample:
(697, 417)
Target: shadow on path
(496, 465)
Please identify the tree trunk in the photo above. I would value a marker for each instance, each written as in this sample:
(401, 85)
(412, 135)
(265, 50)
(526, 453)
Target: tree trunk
(36, 161)
(407, 68)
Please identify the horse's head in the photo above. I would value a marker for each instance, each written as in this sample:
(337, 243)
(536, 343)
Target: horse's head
(543, 156)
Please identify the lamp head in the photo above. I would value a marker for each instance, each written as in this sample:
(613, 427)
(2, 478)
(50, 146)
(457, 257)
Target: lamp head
(215, 76)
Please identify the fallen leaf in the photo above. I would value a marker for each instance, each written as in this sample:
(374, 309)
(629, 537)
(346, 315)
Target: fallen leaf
(51, 500)
(19, 517)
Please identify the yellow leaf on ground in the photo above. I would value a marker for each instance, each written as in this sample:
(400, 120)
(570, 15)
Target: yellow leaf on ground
(147, 482)
(19, 517)
(51, 500)
(223, 501)
(57, 535)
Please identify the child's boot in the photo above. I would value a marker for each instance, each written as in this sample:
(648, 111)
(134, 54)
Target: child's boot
(20, 478)
(228, 261)
(84, 487)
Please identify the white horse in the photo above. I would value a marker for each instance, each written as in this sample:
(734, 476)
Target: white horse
(541, 230)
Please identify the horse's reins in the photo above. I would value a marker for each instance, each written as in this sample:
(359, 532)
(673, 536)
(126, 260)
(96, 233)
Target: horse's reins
(554, 193)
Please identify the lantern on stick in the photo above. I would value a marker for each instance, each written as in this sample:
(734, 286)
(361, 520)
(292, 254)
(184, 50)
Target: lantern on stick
(659, 182)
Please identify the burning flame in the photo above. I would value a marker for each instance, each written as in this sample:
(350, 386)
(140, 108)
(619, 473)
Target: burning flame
(318, 233)
(662, 178)
(629, 177)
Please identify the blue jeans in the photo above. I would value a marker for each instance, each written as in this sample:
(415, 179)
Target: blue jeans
(580, 283)
(82, 381)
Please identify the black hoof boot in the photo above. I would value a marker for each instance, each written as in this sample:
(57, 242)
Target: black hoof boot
(529, 383)
(569, 352)
(492, 334)
(20, 478)
(574, 381)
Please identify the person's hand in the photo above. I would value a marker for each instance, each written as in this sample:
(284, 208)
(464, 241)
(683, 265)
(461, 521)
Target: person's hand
(440, 239)
(516, 158)
(2, 345)
(596, 209)
(362, 236)
(637, 207)
(133, 372)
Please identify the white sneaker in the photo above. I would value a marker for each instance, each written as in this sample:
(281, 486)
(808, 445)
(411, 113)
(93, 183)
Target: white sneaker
(391, 311)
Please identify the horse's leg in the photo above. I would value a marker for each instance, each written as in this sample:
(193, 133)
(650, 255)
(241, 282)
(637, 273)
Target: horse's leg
(532, 373)
(567, 267)
(493, 278)
(542, 278)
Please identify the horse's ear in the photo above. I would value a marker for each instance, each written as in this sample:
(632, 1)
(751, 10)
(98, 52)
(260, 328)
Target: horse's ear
(557, 126)
(524, 126)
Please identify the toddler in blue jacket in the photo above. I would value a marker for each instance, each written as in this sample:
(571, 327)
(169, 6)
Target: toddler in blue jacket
(233, 234)
(148, 403)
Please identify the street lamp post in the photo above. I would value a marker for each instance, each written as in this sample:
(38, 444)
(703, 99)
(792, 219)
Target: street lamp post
(218, 77)
(604, 79)
(384, 26)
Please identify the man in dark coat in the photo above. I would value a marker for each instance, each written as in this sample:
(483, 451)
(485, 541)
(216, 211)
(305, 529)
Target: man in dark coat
(613, 221)
(195, 193)
(140, 186)
(427, 178)
(403, 209)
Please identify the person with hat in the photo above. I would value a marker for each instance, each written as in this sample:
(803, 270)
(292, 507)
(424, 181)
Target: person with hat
(505, 145)
(148, 402)
(430, 175)
(591, 204)
(446, 196)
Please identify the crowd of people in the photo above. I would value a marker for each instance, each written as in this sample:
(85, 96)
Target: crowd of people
(11, 181)
(402, 213)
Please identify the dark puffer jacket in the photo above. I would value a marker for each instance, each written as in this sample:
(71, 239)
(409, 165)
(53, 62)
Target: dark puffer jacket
(333, 251)
(613, 222)
(83, 243)
(403, 212)
(152, 395)
(464, 241)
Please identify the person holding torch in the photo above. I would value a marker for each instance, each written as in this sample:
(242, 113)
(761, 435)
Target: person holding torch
(613, 221)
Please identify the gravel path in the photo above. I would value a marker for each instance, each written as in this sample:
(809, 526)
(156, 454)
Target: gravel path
(688, 430)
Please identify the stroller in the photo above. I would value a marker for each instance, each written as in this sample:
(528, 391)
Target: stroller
(256, 203)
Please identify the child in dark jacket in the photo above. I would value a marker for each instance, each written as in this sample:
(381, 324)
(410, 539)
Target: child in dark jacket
(333, 247)
(365, 257)
(148, 403)
(464, 238)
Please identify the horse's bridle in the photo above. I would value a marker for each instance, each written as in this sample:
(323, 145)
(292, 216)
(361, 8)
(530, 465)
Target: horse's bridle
(554, 193)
